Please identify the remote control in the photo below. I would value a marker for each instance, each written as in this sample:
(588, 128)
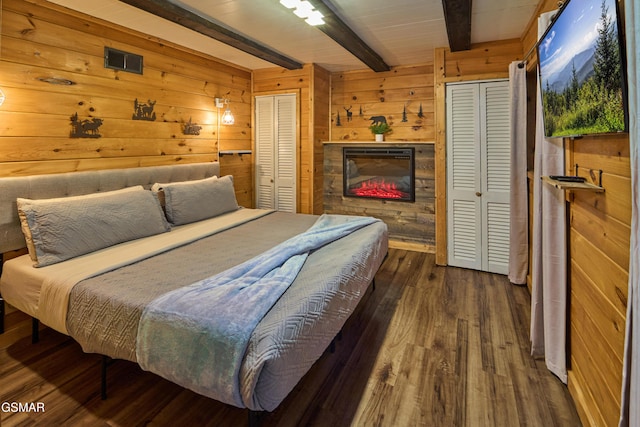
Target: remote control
(568, 178)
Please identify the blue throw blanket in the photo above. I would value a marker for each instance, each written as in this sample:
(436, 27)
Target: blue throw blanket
(197, 336)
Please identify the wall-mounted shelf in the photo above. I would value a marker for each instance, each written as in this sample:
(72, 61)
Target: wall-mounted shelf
(564, 185)
(232, 152)
(576, 186)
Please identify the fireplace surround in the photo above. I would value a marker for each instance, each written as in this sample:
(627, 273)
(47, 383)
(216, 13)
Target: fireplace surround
(411, 225)
(385, 173)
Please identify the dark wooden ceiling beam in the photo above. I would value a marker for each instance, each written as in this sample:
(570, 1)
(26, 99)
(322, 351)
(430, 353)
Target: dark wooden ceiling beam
(457, 16)
(339, 31)
(184, 17)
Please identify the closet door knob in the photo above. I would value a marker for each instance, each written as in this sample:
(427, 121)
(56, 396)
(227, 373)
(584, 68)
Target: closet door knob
(478, 193)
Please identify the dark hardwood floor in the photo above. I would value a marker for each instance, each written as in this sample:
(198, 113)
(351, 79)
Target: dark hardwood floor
(431, 346)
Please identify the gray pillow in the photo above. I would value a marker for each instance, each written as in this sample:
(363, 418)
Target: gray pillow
(66, 227)
(191, 201)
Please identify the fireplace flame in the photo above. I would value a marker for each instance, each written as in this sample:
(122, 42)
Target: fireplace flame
(379, 189)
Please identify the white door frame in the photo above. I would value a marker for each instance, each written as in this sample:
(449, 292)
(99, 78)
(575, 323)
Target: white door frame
(475, 200)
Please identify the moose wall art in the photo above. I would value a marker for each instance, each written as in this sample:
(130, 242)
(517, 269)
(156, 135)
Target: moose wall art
(87, 128)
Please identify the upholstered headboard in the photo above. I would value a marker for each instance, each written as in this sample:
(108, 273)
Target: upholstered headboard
(78, 183)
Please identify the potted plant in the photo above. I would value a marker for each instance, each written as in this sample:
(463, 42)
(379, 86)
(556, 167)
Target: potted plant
(379, 129)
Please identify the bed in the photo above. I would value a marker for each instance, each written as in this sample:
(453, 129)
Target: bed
(117, 289)
(236, 304)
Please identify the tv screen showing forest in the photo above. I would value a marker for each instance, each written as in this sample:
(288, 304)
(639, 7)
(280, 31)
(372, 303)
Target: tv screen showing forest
(582, 72)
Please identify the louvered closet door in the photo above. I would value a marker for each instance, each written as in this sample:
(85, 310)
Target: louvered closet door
(496, 146)
(285, 160)
(275, 155)
(265, 155)
(478, 175)
(463, 176)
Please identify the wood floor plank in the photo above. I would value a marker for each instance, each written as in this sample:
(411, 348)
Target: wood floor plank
(462, 352)
(430, 346)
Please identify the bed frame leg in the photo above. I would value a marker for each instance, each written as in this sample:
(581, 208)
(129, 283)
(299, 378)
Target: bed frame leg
(332, 345)
(255, 418)
(373, 284)
(1, 299)
(103, 377)
(1, 315)
(35, 330)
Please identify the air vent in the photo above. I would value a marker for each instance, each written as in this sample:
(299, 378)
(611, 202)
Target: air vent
(120, 60)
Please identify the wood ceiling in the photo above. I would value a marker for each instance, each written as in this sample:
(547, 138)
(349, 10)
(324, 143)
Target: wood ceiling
(358, 34)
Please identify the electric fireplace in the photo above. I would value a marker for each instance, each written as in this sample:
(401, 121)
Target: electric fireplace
(379, 173)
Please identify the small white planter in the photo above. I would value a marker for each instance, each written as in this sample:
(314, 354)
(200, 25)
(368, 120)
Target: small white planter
(379, 137)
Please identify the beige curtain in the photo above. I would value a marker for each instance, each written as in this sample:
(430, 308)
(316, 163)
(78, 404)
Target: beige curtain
(549, 262)
(519, 205)
(630, 409)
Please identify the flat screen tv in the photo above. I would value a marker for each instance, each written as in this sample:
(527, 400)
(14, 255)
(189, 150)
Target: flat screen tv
(583, 70)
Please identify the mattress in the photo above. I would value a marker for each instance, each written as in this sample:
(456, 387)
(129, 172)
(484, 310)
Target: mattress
(21, 284)
(104, 310)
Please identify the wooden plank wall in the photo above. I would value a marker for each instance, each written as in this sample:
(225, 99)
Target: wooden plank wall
(321, 133)
(484, 61)
(311, 84)
(365, 93)
(404, 96)
(599, 236)
(41, 41)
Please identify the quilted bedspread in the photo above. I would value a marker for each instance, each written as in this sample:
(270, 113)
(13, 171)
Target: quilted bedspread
(196, 336)
(105, 311)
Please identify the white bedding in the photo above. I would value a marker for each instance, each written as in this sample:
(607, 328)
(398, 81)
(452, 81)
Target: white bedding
(23, 283)
(43, 292)
(104, 310)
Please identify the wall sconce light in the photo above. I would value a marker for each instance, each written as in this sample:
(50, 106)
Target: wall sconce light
(304, 9)
(227, 117)
(2, 97)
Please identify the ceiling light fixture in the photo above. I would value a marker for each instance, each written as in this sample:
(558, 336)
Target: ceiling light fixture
(315, 18)
(304, 10)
